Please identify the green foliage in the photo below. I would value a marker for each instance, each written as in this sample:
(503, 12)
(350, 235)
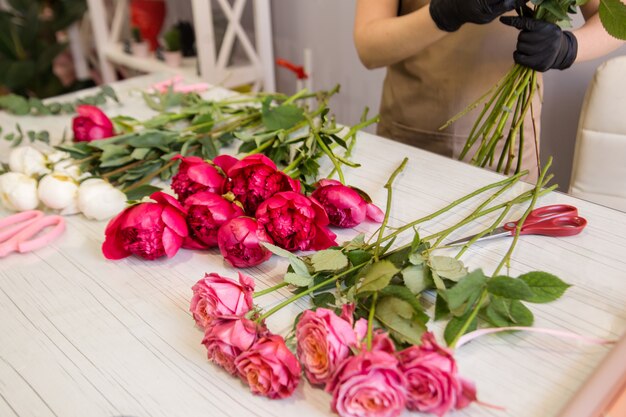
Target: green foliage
(22, 106)
(613, 16)
(136, 34)
(284, 116)
(172, 40)
(28, 44)
(17, 138)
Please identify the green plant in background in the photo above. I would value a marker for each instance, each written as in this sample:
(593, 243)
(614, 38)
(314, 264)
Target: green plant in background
(28, 44)
(136, 34)
(172, 40)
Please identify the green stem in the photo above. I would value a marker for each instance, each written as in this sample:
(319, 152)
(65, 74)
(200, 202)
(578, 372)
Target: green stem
(149, 177)
(370, 321)
(270, 289)
(293, 164)
(389, 188)
(331, 155)
(263, 146)
(470, 319)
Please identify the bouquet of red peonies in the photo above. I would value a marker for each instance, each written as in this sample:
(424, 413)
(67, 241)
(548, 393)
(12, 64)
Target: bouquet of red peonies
(236, 205)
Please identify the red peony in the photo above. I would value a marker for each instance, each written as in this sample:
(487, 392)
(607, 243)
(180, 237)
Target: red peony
(195, 175)
(344, 205)
(206, 212)
(91, 124)
(239, 240)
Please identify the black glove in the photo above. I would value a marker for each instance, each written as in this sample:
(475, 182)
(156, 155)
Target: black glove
(542, 45)
(449, 15)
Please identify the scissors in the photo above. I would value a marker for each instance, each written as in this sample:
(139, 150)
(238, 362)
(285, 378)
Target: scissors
(18, 232)
(554, 220)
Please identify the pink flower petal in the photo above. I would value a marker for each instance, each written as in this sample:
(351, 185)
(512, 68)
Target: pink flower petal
(225, 162)
(161, 197)
(171, 242)
(375, 214)
(174, 220)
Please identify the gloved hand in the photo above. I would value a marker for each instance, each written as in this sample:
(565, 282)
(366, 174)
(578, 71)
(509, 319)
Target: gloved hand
(542, 45)
(449, 15)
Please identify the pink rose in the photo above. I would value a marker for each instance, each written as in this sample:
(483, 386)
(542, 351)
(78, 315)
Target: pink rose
(218, 296)
(239, 240)
(194, 175)
(345, 206)
(323, 341)
(91, 124)
(255, 178)
(295, 222)
(382, 342)
(225, 339)
(269, 368)
(368, 384)
(433, 383)
(206, 212)
(149, 230)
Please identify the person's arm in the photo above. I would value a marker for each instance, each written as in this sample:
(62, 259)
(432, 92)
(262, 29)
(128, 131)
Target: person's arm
(382, 38)
(593, 40)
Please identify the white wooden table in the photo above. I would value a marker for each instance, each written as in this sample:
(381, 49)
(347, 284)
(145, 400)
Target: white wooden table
(82, 336)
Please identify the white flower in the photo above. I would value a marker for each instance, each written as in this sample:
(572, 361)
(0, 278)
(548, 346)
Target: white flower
(28, 160)
(55, 157)
(58, 191)
(99, 200)
(18, 191)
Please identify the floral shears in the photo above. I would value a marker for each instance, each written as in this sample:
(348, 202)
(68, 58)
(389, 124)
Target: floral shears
(554, 220)
(24, 232)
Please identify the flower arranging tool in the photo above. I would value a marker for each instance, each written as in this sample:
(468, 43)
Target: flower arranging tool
(555, 220)
(18, 232)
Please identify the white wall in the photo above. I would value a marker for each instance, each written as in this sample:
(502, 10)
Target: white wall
(325, 26)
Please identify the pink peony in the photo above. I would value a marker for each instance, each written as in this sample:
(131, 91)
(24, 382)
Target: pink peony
(433, 383)
(225, 339)
(269, 368)
(91, 124)
(255, 178)
(206, 212)
(344, 205)
(323, 341)
(194, 175)
(239, 240)
(149, 230)
(295, 222)
(225, 162)
(217, 296)
(368, 384)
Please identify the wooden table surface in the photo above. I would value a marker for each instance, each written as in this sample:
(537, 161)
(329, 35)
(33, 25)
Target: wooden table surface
(83, 336)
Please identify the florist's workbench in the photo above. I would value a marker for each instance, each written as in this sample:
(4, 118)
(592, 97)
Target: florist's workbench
(83, 336)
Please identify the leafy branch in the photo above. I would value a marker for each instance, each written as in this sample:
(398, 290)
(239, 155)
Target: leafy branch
(22, 106)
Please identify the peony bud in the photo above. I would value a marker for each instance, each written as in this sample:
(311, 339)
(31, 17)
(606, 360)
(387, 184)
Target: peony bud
(28, 160)
(18, 191)
(59, 192)
(99, 200)
(91, 124)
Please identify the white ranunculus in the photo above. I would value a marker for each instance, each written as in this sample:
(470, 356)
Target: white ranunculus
(28, 160)
(99, 200)
(18, 191)
(58, 191)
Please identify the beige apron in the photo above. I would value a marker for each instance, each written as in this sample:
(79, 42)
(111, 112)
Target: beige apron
(422, 92)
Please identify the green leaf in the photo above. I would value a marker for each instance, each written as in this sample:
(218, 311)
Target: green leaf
(508, 287)
(151, 139)
(415, 279)
(544, 286)
(329, 260)
(203, 123)
(284, 116)
(613, 17)
(416, 258)
(298, 280)
(140, 153)
(324, 300)
(466, 290)
(377, 276)
(298, 265)
(455, 326)
(14, 104)
(441, 308)
(403, 293)
(448, 267)
(116, 162)
(398, 317)
(359, 256)
(111, 151)
(141, 192)
(108, 91)
(503, 312)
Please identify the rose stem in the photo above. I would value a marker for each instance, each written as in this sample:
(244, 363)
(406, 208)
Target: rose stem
(149, 177)
(389, 188)
(370, 321)
(270, 289)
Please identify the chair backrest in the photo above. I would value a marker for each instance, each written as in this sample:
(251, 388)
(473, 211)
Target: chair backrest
(599, 169)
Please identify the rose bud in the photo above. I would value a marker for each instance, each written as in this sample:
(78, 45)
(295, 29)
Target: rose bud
(99, 200)
(91, 124)
(18, 192)
(345, 206)
(295, 222)
(255, 178)
(226, 338)
(269, 368)
(216, 296)
(432, 380)
(323, 340)
(368, 384)
(194, 175)
(239, 240)
(149, 230)
(206, 212)
(28, 160)
(59, 192)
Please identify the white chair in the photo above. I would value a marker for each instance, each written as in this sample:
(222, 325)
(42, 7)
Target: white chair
(599, 169)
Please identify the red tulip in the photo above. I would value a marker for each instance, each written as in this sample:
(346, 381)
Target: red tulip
(91, 124)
